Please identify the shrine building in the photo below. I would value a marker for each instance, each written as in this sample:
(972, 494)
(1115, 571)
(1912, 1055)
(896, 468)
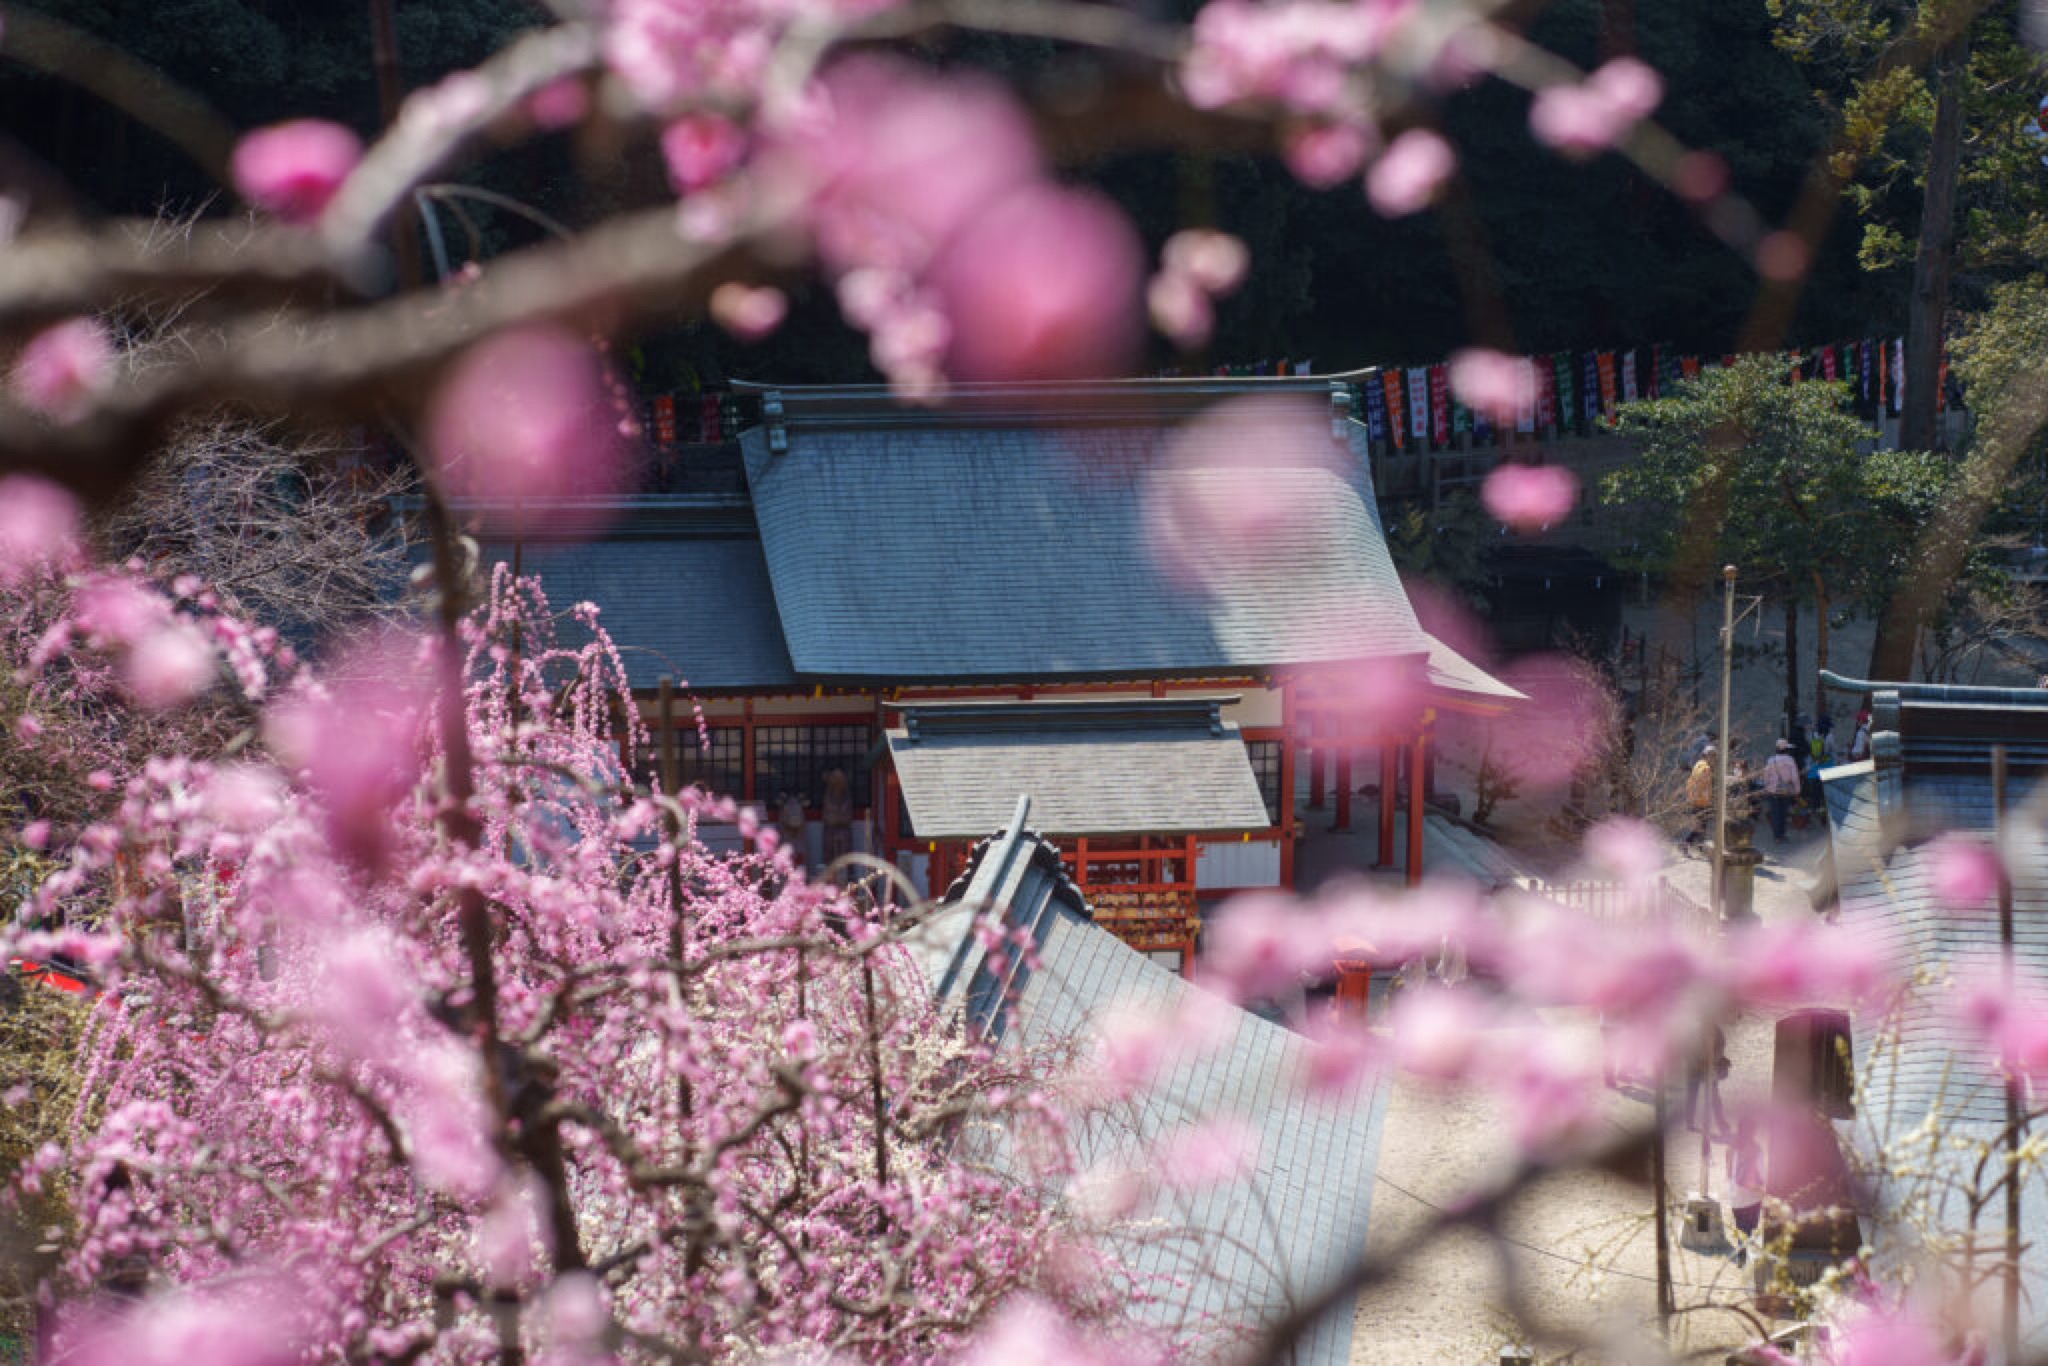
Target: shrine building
(953, 607)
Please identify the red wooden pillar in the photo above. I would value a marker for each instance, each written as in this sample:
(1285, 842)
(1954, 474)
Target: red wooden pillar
(1343, 820)
(1388, 755)
(1415, 810)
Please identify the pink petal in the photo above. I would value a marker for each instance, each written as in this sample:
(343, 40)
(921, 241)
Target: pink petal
(1494, 383)
(38, 525)
(1409, 173)
(528, 418)
(747, 312)
(1530, 497)
(293, 169)
(1043, 285)
(699, 150)
(61, 368)
(1325, 154)
(1214, 262)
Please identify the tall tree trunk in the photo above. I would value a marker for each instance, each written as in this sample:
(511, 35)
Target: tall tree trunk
(1935, 260)
(1791, 659)
(1820, 647)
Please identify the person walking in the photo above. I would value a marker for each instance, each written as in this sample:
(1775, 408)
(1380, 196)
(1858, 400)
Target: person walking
(1699, 794)
(1859, 748)
(1823, 740)
(1781, 785)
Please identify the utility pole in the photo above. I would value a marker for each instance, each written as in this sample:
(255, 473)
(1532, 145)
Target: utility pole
(2013, 1111)
(1720, 845)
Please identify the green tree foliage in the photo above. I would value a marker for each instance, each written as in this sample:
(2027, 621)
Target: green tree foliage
(1742, 466)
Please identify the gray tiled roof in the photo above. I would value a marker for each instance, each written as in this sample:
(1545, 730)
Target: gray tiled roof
(1933, 776)
(1156, 767)
(1225, 1257)
(694, 606)
(1015, 546)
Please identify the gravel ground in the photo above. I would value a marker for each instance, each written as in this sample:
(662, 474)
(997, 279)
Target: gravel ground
(1581, 1245)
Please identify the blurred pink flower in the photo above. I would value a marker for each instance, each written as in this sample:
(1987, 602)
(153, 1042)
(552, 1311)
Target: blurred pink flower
(1875, 1336)
(1042, 285)
(1406, 177)
(1237, 491)
(525, 419)
(1805, 964)
(1552, 1082)
(1963, 872)
(1133, 1042)
(1180, 310)
(1325, 154)
(38, 525)
(1579, 120)
(906, 159)
(1344, 1055)
(449, 1122)
(62, 367)
(1028, 1331)
(1214, 262)
(1783, 255)
(112, 610)
(1298, 53)
(169, 666)
(293, 169)
(1437, 1031)
(512, 1236)
(1630, 86)
(699, 149)
(1625, 848)
(1261, 944)
(1493, 382)
(360, 752)
(748, 312)
(243, 798)
(36, 834)
(1558, 730)
(1218, 1149)
(558, 104)
(1530, 497)
(244, 1324)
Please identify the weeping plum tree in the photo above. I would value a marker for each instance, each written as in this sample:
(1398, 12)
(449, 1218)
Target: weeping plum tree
(661, 1102)
(423, 1035)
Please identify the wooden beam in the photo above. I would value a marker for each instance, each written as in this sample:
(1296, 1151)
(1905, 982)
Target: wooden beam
(1388, 764)
(1343, 821)
(1415, 810)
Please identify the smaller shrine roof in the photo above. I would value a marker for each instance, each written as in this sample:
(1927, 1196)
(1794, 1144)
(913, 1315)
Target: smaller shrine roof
(682, 587)
(1142, 766)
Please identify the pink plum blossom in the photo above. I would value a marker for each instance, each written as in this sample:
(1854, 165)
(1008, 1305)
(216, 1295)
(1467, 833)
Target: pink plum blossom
(1437, 1032)
(114, 610)
(1297, 53)
(1552, 1081)
(527, 418)
(293, 169)
(36, 834)
(559, 104)
(1326, 154)
(1214, 262)
(1180, 310)
(1406, 177)
(1963, 872)
(1044, 284)
(1878, 1336)
(1805, 964)
(700, 149)
(1236, 484)
(1218, 1149)
(1625, 848)
(906, 160)
(1582, 119)
(748, 312)
(359, 749)
(62, 367)
(1492, 382)
(38, 525)
(1530, 497)
(169, 666)
(1262, 944)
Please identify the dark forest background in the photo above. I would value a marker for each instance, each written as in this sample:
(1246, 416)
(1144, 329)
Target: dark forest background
(1553, 255)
